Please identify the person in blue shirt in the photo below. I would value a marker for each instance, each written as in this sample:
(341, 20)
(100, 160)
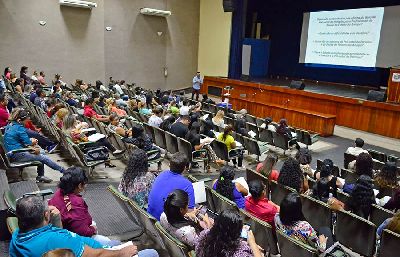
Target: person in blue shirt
(16, 137)
(197, 82)
(169, 181)
(36, 236)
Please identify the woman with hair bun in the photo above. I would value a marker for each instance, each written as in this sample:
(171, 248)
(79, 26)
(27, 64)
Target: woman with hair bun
(225, 186)
(74, 211)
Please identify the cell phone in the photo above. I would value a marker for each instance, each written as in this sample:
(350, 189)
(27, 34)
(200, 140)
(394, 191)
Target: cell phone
(245, 231)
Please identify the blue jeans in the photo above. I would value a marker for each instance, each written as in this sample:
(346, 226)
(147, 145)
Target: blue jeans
(148, 253)
(26, 156)
(105, 241)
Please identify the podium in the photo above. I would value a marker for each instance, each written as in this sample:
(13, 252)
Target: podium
(393, 95)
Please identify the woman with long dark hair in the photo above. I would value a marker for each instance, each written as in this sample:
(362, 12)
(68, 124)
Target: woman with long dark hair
(167, 123)
(266, 167)
(292, 176)
(137, 180)
(303, 156)
(225, 186)
(223, 239)
(361, 197)
(73, 209)
(291, 221)
(364, 166)
(327, 184)
(7, 73)
(386, 179)
(283, 129)
(139, 138)
(179, 222)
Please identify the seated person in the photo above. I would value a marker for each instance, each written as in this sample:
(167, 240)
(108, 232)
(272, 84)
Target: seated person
(292, 176)
(185, 108)
(73, 129)
(176, 219)
(361, 197)
(225, 186)
(327, 184)
(290, 221)
(43, 141)
(89, 112)
(140, 138)
(33, 220)
(113, 108)
(268, 124)
(364, 166)
(74, 211)
(283, 129)
(167, 182)
(258, 204)
(218, 119)
(303, 156)
(142, 108)
(155, 120)
(119, 101)
(40, 99)
(207, 100)
(117, 127)
(266, 168)
(230, 143)
(137, 180)
(173, 108)
(4, 115)
(392, 224)
(240, 124)
(394, 202)
(357, 148)
(167, 123)
(16, 137)
(386, 179)
(223, 239)
(180, 127)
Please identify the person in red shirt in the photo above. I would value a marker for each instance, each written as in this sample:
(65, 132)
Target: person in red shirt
(266, 167)
(4, 115)
(89, 112)
(258, 205)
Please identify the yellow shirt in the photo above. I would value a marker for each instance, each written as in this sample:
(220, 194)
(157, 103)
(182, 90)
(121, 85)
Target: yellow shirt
(228, 140)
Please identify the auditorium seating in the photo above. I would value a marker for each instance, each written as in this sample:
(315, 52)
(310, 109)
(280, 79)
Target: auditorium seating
(290, 247)
(390, 244)
(174, 246)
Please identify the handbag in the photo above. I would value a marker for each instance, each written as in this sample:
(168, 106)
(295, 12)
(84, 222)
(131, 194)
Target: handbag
(96, 154)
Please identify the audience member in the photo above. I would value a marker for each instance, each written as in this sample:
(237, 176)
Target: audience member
(225, 186)
(19, 85)
(394, 202)
(34, 132)
(240, 124)
(167, 182)
(176, 219)
(218, 119)
(357, 148)
(41, 79)
(173, 108)
(364, 166)
(223, 239)
(292, 176)
(180, 127)
(392, 224)
(291, 221)
(208, 127)
(142, 108)
(7, 73)
(155, 119)
(33, 220)
(258, 204)
(230, 143)
(303, 156)
(117, 127)
(361, 197)
(207, 100)
(34, 77)
(167, 123)
(266, 168)
(386, 179)
(120, 101)
(59, 117)
(327, 184)
(118, 88)
(16, 137)
(4, 115)
(73, 209)
(40, 99)
(283, 129)
(185, 108)
(113, 108)
(268, 124)
(91, 113)
(137, 180)
(23, 74)
(140, 139)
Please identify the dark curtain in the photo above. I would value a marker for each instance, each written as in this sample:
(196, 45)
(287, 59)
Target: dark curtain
(237, 36)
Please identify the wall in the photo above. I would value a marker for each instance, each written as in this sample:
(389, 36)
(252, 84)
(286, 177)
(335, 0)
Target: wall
(282, 20)
(75, 43)
(215, 37)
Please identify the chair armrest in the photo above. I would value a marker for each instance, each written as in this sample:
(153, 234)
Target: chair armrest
(41, 193)
(152, 152)
(22, 150)
(85, 143)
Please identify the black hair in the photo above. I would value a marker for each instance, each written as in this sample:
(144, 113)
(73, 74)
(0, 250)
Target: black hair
(364, 164)
(95, 94)
(7, 69)
(89, 101)
(30, 212)
(139, 135)
(137, 167)
(166, 124)
(71, 179)
(223, 240)
(18, 81)
(361, 197)
(193, 132)
(177, 200)
(205, 96)
(98, 84)
(3, 97)
(359, 142)
(185, 102)
(303, 156)
(291, 210)
(327, 168)
(23, 69)
(178, 162)
(256, 188)
(268, 120)
(225, 186)
(291, 174)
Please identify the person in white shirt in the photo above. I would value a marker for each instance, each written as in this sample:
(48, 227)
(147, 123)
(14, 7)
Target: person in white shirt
(358, 148)
(118, 89)
(185, 109)
(155, 120)
(267, 124)
(120, 102)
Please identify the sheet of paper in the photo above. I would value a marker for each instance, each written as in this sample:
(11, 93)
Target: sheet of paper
(342, 180)
(88, 130)
(242, 181)
(206, 140)
(96, 137)
(199, 192)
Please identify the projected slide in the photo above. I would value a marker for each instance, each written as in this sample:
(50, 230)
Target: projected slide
(345, 37)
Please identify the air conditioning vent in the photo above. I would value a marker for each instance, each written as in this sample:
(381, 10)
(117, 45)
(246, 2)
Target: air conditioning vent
(155, 12)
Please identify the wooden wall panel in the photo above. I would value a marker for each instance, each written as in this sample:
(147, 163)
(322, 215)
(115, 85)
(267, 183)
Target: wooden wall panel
(264, 100)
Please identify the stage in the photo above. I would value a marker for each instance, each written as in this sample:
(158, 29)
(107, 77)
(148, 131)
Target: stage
(344, 90)
(318, 108)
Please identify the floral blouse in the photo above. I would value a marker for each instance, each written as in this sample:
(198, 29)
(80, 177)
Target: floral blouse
(137, 189)
(301, 231)
(186, 234)
(243, 249)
